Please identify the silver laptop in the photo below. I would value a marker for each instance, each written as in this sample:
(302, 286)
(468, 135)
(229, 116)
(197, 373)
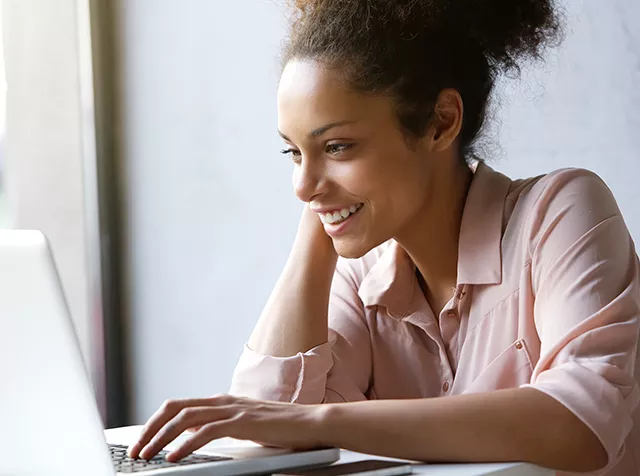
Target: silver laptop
(49, 423)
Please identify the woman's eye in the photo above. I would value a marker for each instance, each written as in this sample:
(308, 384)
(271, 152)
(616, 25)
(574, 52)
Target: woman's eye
(335, 149)
(294, 153)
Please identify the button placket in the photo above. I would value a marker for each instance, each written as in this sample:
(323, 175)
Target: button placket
(461, 292)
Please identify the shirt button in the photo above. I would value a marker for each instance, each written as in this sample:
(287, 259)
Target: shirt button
(519, 345)
(452, 313)
(445, 387)
(461, 295)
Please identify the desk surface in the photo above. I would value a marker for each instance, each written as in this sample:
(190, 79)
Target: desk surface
(127, 435)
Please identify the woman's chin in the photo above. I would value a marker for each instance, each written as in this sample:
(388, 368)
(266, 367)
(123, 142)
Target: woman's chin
(350, 250)
(354, 247)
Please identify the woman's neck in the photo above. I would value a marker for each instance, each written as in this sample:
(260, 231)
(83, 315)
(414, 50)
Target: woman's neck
(431, 238)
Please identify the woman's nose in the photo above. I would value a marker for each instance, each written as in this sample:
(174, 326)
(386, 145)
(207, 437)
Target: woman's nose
(307, 179)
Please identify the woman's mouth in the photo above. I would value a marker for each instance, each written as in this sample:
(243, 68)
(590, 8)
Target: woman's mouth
(338, 216)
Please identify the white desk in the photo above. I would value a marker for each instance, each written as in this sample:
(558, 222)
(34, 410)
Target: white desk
(127, 435)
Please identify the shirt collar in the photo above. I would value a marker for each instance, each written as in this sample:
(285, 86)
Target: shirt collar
(392, 282)
(480, 245)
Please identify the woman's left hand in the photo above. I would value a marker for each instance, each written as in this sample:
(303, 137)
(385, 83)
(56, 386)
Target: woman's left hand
(284, 425)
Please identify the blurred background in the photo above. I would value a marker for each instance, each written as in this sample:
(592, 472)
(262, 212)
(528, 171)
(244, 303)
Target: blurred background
(140, 136)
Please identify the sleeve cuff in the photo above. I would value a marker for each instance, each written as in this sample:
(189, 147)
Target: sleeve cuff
(300, 378)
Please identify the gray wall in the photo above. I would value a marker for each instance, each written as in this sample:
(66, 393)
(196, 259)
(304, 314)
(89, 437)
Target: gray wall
(211, 214)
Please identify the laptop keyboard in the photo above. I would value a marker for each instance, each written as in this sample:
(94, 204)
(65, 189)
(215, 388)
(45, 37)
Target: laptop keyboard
(124, 464)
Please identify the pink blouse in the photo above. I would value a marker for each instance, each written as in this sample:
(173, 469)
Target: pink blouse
(548, 296)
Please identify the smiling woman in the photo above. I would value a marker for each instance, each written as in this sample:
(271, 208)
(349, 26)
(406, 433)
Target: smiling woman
(431, 308)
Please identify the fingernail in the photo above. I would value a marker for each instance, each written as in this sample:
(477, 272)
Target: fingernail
(132, 450)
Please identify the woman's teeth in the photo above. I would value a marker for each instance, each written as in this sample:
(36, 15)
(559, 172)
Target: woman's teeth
(334, 218)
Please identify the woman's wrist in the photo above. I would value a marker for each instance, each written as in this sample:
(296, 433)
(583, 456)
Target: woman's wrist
(323, 418)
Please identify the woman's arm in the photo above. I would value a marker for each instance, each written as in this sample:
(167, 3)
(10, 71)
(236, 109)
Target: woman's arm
(521, 424)
(311, 343)
(295, 317)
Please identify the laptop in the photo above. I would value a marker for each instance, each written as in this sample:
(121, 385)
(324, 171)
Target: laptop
(49, 422)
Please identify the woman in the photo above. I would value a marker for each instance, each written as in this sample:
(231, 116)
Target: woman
(431, 308)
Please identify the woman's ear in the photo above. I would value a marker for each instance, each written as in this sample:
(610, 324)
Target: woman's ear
(447, 121)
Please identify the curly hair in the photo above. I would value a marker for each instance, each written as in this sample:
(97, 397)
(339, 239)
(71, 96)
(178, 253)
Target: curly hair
(413, 49)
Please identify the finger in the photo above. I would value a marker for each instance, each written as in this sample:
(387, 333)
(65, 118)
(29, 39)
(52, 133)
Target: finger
(187, 418)
(206, 434)
(168, 410)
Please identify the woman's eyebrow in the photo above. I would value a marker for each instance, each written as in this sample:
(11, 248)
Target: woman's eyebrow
(320, 130)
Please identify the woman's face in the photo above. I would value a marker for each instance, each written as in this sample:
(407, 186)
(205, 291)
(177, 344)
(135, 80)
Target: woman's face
(352, 163)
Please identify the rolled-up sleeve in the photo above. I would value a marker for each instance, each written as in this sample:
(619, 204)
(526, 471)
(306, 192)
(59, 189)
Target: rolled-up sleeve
(337, 371)
(585, 278)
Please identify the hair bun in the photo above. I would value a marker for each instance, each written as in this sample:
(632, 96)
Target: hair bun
(506, 30)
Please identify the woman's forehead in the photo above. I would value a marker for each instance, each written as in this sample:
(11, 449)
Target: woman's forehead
(304, 81)
(310, 95)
